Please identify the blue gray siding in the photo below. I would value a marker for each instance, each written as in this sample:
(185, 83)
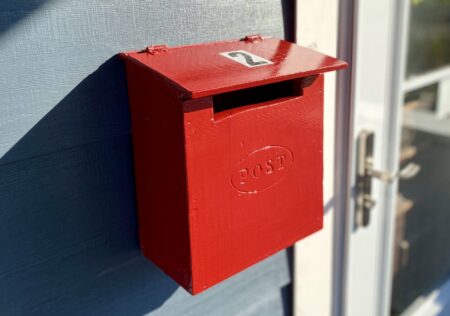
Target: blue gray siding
(68, 226)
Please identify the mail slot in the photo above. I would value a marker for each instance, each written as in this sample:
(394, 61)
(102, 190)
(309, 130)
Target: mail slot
(227, 141)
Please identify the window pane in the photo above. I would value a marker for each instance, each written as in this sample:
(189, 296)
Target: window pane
(429, 36)
(422, 247)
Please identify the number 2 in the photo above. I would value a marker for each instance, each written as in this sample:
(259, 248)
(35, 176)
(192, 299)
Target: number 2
(248, 59)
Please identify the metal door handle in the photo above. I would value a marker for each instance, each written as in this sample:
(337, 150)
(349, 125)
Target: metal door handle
(364, 174)
(408, 172)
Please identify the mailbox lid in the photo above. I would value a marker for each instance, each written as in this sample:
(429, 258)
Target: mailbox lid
(205, 69)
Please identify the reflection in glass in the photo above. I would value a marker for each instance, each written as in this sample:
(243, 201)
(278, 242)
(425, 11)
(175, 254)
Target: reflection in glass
(422, 235)
(429, 36)
(423, 99)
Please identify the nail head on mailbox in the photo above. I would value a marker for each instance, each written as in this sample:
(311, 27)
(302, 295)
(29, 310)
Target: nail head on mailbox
(227, 140)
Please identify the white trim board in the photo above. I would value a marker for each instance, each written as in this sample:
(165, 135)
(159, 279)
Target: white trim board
(318, 259)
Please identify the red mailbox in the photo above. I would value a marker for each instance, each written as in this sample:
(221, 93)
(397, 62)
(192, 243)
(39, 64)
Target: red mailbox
(227, 143)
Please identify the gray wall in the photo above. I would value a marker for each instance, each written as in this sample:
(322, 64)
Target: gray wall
(67, 207)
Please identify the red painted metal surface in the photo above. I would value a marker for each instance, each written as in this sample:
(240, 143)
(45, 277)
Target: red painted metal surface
(200, 70)
(228, 156)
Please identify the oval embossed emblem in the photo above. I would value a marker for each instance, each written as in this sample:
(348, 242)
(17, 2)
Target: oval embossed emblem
(262, 169)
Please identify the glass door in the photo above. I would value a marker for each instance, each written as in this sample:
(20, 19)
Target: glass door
(422, 209)
(397, 240)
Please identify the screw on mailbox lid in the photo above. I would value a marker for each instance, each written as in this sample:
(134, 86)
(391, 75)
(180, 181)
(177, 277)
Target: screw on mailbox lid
(155, 49)
(253, 38)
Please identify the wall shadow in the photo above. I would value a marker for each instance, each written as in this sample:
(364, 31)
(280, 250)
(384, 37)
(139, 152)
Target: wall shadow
(17, 10)
(68, 228)
(288, 8)
(286, 291)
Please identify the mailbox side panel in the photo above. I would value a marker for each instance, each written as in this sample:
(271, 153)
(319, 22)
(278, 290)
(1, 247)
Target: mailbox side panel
(159, 157)
(255, 182)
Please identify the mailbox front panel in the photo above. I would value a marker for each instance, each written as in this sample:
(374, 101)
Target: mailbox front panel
(254, 180)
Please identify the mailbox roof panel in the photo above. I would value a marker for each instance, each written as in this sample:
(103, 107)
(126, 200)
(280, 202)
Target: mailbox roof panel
(213, 68)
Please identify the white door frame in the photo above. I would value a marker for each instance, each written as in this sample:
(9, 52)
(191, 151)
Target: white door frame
(379, 61)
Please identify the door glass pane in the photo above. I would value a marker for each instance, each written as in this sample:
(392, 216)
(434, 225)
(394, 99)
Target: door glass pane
(422, 240)
(429, 36)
